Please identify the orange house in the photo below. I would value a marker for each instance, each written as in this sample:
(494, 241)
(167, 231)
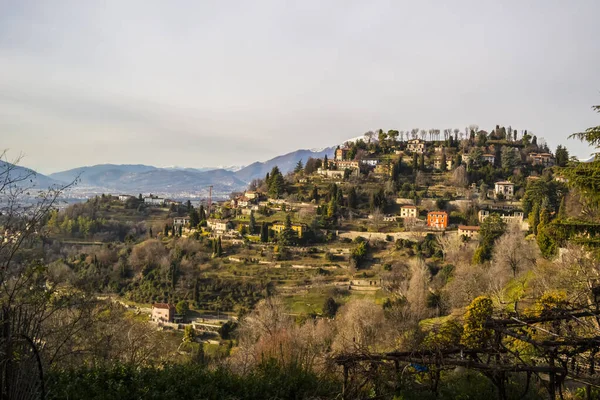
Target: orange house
(437, 219)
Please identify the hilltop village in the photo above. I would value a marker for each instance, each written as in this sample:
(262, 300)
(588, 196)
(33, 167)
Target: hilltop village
(422, 250)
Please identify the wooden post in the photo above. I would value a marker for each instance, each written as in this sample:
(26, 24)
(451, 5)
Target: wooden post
(345, 384)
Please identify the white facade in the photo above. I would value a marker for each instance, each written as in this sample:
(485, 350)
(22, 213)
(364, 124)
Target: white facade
(154, 201)
(507, 189)
(408, 212)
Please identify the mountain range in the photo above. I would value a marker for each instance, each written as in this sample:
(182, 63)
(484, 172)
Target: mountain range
(170, 181)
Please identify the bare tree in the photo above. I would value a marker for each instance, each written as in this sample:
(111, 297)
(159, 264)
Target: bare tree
(359, 324)
(459, 177)
(30, 338)
(369, 135)
(513, 254)
(452, 247)
(418, 288)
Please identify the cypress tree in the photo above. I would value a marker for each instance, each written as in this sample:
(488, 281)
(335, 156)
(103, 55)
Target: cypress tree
(252, 224)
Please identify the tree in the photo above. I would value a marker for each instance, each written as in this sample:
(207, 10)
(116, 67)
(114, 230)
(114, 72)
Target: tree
(443, 162)
(189, 334)
(585, 176)
(264, 233)
(288, 235)
(325, 162)
(512, 253)
(359, 253)
(415, 162)
(491, 229)
(422, 162)
(509, 159)
(39, 314)
(475, 334)
(252, 223)
(180, 230)
(562, 156)
(330, 307)
(182, 307)
(150, 233)
(276, 183)
(166, 230)
(352, 198)
(194, 218)
(315, 194)
(459, 177)
(299, 167)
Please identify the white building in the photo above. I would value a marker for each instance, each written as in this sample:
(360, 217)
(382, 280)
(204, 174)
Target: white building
(505, 188)
(154, 201)
(371, 162)
(124, 197)
(408, 212)
(181, 221)
(489, 158)
(218, 225)
(416, 146)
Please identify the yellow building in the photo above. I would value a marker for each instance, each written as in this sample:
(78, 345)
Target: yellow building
(280, 226)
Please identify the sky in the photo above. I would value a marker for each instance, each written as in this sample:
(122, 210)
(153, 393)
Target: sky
(219, 83)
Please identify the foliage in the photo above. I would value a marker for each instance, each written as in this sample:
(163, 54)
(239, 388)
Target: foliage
(491, 229)
(475, 334)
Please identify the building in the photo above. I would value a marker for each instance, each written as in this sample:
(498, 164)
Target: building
(516, 216)
(389, 218)
(504, 188)
(181, 221)
(437, 219)
(154, 201)
(341, 165)
(416, 146)
(437, 164)
(341, 153)
(544, 159)
(252, 195)
(331, 173)
(163, 312)
(489, 158)
(125, 197)
(280, 226)
(468, 231)
(244, 201)
(219, 225)
(371, 162)
(408, 212)
(169, 202)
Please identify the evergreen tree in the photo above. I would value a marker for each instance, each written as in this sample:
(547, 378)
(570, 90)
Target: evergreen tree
(422, 162)
(180, 230)
(299, 167)
(562, 156)
(325, 162)
(150, 232)
(252, 223)
(562, 210)
(194, 218)
(352, 198)
(330, 307)
(173, 231)
(415, 162)
(315, 194)
(188, 205)
(276, 183)
(264, 233)
(443, 162)
(140, 198)
(166, 231)
(288, 235)
(491, 229)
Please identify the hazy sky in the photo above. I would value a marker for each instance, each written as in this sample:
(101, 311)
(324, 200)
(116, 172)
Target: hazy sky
(209, 83)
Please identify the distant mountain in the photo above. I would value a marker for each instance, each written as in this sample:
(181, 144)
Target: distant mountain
(28, 177)
(101, 175)
(133, 179)
(286, 163)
